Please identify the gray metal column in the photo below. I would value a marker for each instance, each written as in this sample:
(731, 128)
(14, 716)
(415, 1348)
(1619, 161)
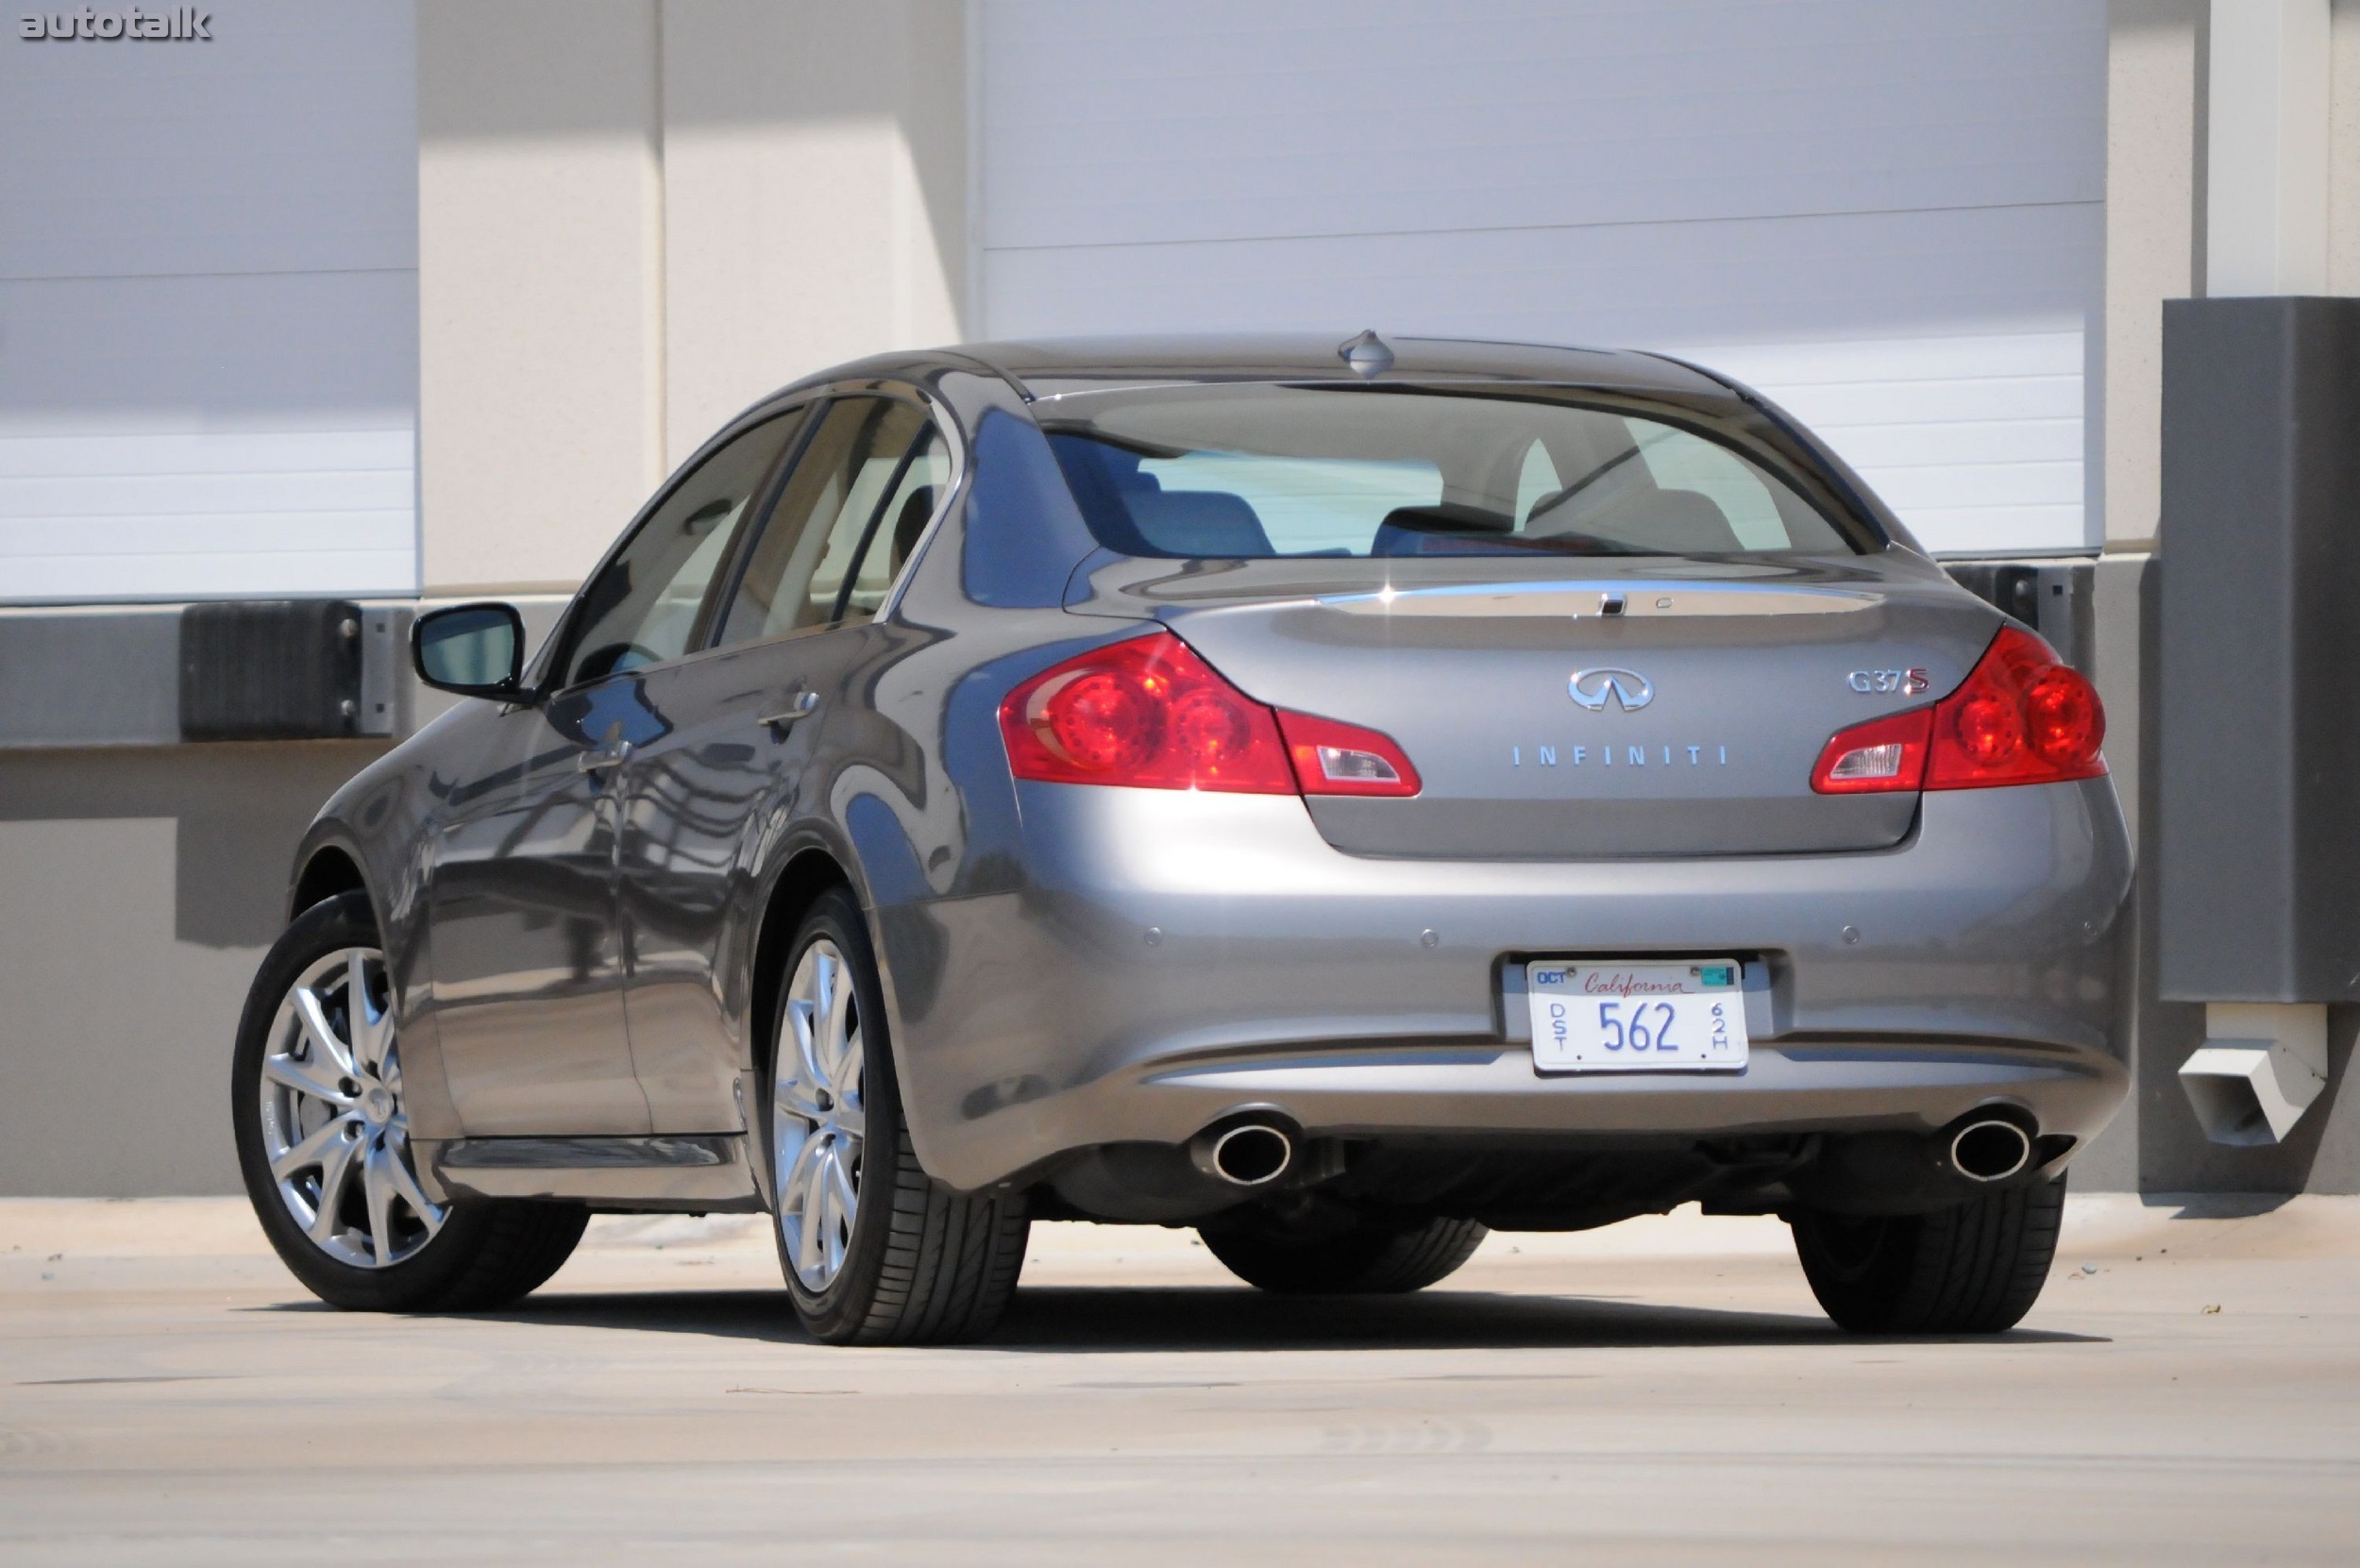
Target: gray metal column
(2259, 836)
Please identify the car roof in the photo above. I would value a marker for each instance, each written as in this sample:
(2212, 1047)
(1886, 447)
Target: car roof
(1046, 366)
(1320, 357)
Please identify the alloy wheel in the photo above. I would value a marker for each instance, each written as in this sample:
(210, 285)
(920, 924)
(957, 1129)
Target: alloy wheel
(817, 1116)
(335, 1129)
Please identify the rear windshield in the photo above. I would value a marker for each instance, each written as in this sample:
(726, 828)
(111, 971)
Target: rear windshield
(1234, 471)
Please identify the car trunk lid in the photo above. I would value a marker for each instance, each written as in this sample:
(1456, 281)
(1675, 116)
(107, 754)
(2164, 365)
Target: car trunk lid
(1673, 708)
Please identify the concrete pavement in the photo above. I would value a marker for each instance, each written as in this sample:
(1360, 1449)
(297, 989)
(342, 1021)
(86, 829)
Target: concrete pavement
(2188, 1391)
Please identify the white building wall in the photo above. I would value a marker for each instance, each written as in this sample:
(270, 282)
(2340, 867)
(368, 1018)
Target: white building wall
(208, 307)
(541, 285)
(639, 216)
(1888, 215)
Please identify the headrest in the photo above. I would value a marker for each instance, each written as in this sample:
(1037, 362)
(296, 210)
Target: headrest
(1677, 522)
(1200, 523)
(911, 520)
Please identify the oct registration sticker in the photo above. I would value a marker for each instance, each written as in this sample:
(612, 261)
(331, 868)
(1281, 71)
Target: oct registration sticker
(1608, 1017)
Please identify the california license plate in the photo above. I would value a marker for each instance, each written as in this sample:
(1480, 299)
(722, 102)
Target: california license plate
(1609, 1017)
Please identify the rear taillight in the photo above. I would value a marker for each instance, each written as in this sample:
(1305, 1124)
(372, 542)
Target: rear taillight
(1149, 713)
(2018, 718)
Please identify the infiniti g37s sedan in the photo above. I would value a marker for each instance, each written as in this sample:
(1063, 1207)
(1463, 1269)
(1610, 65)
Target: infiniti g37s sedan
(1342, 799)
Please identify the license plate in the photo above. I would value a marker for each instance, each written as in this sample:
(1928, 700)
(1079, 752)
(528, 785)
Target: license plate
(1609, 1017)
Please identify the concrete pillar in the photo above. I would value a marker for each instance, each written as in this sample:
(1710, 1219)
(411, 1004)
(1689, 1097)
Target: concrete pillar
(540, 284)
(2266, 148)
(2154, 138)
(637, 217)
(2154, 250)
(814, 167)
(2343, 148)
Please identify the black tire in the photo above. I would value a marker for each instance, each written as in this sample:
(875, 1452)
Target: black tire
(1369, 1257)
(923, 1265)
(1974, 1269)
(486, 1254)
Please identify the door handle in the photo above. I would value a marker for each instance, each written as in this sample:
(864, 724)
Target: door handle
(604, 757)
(803, 706)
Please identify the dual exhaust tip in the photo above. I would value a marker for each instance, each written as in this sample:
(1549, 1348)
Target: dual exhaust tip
(1256, 1152)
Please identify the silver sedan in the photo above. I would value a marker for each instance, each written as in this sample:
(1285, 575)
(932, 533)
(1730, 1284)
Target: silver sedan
(1341, 798)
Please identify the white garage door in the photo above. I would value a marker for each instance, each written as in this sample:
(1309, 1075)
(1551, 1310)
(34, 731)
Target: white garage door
(1886, 213)
(208, 307)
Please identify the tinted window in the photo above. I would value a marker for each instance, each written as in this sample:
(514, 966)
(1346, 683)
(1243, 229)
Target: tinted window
(1261, 470)
(909, 505)
(641, 608)
(860, 480)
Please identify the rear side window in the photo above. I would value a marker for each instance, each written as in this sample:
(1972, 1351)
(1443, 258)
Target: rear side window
(861, 490)
(1224, 472)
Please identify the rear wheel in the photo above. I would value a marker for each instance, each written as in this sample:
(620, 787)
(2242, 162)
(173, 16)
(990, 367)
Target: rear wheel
(1973, 1269)
(1367, 1256)
(874, 1251)
(323, 1135)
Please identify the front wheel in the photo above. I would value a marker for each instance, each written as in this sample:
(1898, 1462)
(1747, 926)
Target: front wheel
(323, 1135)
(874, 1251)
(1973, 1269)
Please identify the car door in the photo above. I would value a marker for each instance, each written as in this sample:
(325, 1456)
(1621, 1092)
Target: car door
(751, 722)
(524, 936)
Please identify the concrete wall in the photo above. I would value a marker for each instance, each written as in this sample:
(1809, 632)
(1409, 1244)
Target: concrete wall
(142, 885)
(632, 219)
(2154, 240)
(815, 193)
(2343, 149)
(540, 286)
(635, 219)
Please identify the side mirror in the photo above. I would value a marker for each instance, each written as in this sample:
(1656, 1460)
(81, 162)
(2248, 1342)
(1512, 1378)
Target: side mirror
(474, 649)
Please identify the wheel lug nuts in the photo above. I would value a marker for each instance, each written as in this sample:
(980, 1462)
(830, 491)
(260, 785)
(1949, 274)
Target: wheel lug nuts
(350, 1086)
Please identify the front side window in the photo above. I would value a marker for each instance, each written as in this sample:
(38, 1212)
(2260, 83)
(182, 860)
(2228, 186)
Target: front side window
(642, 607)
(862, 486)
(1220, 472)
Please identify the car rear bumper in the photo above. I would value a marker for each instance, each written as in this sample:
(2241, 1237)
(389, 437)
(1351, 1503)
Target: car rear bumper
(1171, 959)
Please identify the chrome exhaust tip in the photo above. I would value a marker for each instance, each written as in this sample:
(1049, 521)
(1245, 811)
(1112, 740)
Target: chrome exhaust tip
(1245, 1154)
(1990, 1150)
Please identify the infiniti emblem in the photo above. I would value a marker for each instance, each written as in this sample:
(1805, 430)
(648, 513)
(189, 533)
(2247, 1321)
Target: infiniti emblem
(1630, 691)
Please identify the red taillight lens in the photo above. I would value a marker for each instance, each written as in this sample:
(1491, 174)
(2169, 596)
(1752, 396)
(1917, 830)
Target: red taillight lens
(1151, 715)
(2018, 718)
(1147, 712)
(1333, 758)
